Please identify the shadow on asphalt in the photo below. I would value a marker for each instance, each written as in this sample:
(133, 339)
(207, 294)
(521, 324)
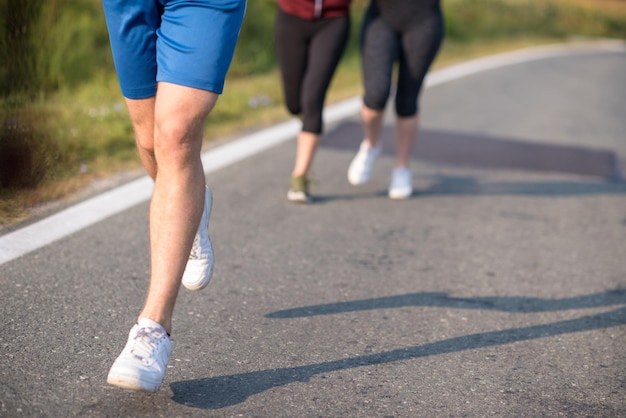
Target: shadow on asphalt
(512, 304)
(223, 391)
(451, 185)
(474, 150)
(442, 185)
(218, 392)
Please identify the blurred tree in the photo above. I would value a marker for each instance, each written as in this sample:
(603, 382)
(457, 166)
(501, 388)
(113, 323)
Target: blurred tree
(18, 62)
(24, 146)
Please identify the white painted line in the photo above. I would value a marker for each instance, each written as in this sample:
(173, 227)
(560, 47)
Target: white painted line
(82, 215)
(478, 65)
(73, 219)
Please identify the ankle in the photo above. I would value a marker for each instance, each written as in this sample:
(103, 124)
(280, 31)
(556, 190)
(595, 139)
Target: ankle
(166, 324)
(371, 143)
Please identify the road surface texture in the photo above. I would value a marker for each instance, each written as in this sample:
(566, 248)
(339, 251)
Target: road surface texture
(498, 289)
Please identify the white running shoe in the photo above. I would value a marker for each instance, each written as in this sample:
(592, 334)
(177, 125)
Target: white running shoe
(361, 166)
(400, 186)
(199, 267)
(143, 362)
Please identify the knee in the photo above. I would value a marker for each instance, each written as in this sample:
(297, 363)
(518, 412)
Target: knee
(376, 99)
(407, 109)
(176, 143)
(145, 143)
(293, 107)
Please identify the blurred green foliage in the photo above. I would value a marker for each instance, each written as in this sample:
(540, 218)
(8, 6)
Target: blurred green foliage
(61, 109)
(467, 20)
(61, 44)
(24, 146)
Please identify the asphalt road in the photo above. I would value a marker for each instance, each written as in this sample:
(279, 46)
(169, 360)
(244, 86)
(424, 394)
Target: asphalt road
(499, 289)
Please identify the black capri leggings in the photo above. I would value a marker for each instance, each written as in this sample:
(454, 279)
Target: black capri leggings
(414, 46)
(308, 53)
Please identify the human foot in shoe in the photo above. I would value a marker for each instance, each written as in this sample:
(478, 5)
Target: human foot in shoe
(143, 362)
(400, 186)
(362, 164)
(299, 190)
(199, 268)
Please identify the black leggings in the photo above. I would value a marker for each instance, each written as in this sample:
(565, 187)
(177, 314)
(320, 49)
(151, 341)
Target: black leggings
(414, 46)
(308, 53)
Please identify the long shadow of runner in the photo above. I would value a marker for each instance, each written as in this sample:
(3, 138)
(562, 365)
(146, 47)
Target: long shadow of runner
(440, 299)
(223, 391)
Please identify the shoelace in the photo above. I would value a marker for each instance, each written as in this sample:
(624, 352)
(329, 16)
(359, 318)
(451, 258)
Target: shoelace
(196, 251)
(145, 342)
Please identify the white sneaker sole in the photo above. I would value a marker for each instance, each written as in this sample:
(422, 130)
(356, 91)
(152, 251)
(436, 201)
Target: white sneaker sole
(400, 194)
(298, 197)
(203, 269)
(132, 383)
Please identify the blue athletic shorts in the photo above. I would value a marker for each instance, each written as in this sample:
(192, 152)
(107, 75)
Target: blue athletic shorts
(185, 42)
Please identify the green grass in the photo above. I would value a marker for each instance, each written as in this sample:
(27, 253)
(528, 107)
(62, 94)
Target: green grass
(77, 126)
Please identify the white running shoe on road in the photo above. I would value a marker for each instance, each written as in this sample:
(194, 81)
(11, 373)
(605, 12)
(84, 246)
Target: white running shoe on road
(143, 362)
(361, 166)
(400, 186)
(199, 267)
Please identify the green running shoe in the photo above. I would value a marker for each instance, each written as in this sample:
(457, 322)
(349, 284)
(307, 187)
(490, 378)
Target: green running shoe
(299, 191)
